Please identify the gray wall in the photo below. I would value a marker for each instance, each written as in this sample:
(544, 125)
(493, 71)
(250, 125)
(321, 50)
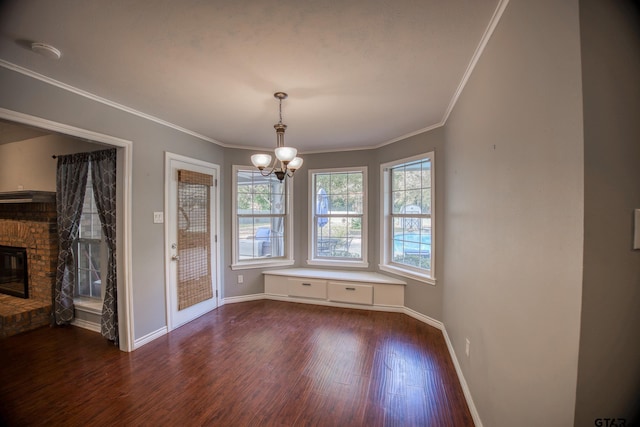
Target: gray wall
(609, 363)
(150, 141)
(421, 297)
(28, 163)
(514, 218)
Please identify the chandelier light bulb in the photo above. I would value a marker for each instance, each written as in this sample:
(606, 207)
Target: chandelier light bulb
(261, 161)
(286, 154)
(296, 163)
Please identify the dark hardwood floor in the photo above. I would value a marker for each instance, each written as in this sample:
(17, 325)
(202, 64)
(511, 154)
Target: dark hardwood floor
(254, 363)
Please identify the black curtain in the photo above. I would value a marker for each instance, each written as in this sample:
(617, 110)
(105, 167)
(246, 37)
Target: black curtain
(71, 182)
(103, 175)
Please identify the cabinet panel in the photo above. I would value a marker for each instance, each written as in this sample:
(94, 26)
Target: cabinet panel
(276, 285)
(307, 288)
(350, 292)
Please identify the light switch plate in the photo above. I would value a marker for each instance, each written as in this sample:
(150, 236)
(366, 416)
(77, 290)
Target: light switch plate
(158, 217)
(636, 226)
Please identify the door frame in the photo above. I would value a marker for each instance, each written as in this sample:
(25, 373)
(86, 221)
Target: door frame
(217, 274)
(123, 249)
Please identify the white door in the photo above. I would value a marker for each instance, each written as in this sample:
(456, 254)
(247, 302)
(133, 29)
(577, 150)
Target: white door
(191, 248)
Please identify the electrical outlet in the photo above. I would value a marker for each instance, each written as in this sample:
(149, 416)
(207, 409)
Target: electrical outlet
(240, 279)
(158, 217)
(467, 347)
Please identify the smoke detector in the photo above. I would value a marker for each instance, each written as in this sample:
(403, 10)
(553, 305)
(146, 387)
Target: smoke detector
(46, 50)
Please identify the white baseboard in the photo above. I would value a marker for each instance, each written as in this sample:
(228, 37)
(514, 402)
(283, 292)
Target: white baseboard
(84, 324)
(150, 337)
(463, 383)
(241, 298)
(425, 319)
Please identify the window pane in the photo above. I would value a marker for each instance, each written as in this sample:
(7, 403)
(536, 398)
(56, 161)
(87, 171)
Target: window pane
(411, 245)
(426, 174)
(84, 283)
(323, 180)
(398, 200)
(426, 201)
(397, 178)
(260, 237)
(355, 183)
(339, 183)
(413, 199)
(354, 205)
(413, 178)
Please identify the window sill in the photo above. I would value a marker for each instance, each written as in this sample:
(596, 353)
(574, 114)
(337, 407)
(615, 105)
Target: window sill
(338, 263)
(88, 305)
(262, 264)
(425, 278)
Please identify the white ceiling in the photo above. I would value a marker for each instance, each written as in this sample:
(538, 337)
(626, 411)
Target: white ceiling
(358, 73)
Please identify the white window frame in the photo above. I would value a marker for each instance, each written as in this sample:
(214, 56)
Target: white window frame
(386, 223)
(287, 259)
(337, 262)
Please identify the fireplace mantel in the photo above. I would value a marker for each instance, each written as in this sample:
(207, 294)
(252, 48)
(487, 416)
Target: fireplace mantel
(28, 196)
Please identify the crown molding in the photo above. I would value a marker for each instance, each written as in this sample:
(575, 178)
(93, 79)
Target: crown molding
(29, 73)
(493, 23)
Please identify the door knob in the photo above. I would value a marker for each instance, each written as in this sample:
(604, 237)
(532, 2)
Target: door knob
(175, 258)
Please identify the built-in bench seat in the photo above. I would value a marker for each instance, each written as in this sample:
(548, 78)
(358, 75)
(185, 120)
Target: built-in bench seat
(334, 287)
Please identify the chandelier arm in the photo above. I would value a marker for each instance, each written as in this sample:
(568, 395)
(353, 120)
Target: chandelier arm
(273, 168)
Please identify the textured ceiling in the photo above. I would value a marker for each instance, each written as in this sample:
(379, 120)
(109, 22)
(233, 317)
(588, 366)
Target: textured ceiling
(358, 73)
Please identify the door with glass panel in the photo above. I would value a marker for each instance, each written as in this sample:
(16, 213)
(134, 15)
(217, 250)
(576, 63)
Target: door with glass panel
(191, 252)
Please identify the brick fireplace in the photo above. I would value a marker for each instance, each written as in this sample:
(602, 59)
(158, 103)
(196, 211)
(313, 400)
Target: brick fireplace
(30, 222)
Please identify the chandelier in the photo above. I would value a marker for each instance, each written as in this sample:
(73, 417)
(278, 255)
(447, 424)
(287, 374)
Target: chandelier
(289, 163)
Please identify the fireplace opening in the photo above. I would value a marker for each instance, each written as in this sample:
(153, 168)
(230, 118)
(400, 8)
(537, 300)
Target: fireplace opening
(14, 277)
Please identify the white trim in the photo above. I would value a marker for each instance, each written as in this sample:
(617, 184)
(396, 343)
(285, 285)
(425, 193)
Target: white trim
(385, 229)
(288, 258)
(364, 232)
(91, 307)
(337, 263)
(85, 324)
(168, 158)
(493, 23)
(405, 272)
(150, 337)
(463, 383)
(125, 314)
(101, 100)
(261, 264)
(242, 298)
(423, 318)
